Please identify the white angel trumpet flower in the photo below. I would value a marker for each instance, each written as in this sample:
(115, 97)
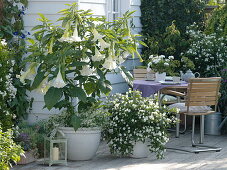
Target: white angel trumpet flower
(103, 44)
(96, 35)
(121, 60)
(110, 63)
(98, 56)
(29, 73)
(86, 70)
(126, 54)
(59, 82)
(65, 37)
(75, 37)
(44, 86)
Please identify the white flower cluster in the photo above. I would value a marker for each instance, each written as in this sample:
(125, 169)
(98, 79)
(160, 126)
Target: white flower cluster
(208, 51)
(10, 91)
(159, 63)
(134, 118)
(7, 89)
(110, 61)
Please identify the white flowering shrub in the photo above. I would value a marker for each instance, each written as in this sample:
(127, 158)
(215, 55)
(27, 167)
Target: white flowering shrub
(208, 52)
(7, 90)
(135, 118)
(162, 64)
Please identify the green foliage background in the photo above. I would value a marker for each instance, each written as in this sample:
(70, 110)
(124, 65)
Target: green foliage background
(218, 20)
(164, 25)
(11, 29)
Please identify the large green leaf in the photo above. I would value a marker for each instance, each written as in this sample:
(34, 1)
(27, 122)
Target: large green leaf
(75, 122)
(105, 87)
(90, 87)
(52, 96)
(78, 92)
(38, 79)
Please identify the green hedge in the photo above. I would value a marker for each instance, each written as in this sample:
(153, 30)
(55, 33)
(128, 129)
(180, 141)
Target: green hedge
(158, 14)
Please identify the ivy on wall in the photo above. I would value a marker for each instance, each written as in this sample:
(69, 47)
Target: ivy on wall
(12, 30)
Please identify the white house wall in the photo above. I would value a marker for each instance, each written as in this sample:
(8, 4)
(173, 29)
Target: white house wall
(50, 9)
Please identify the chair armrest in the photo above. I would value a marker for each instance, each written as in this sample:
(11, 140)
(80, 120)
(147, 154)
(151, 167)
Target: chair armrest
(172, 92)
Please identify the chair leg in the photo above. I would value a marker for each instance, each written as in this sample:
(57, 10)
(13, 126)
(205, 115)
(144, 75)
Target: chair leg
(207, 148)
(178, 126)
(201, 129)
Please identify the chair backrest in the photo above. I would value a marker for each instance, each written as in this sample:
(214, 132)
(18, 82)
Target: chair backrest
(140, 73)
(203, 91)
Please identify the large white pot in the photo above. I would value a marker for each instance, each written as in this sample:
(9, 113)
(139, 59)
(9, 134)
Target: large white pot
(82, 144)
(160, 76)
(140, 150)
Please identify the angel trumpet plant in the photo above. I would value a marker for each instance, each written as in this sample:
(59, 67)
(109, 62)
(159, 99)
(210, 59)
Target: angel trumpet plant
(77, 55)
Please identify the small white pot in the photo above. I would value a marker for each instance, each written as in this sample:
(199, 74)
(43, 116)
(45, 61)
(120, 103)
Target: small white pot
(82, 144)
(160, 76)
(140, 150)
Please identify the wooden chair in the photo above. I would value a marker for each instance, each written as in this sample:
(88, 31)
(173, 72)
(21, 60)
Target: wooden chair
(201, 93)
(141, 74)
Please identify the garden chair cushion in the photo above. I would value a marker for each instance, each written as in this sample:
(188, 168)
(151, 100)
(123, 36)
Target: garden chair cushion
(192, 109)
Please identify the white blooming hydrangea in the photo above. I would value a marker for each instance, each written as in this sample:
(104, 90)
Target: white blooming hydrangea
(134, 118)
(7, 90)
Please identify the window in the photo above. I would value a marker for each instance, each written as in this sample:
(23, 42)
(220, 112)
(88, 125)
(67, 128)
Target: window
(113, 9)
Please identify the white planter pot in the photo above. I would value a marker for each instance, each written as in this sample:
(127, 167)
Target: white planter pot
(82, 144)
(140, 150)
(160, 76)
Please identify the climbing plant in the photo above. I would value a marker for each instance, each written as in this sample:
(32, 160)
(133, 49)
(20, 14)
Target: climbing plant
(12, 30)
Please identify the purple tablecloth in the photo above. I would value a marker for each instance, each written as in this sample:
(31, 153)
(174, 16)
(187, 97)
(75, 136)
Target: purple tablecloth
(150, 87)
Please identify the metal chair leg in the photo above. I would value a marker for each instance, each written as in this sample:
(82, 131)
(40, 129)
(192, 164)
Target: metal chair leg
(207, 148)
(201, 129)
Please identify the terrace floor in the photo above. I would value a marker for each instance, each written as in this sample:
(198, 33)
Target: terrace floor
(173, 159)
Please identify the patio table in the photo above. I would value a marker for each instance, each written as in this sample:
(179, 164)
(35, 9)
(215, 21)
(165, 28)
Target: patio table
(149, 88)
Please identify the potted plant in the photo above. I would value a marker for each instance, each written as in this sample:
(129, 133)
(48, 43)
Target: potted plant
(82, 129)
(27, 138)
(162, 65)
(69, 63)
(134, 121)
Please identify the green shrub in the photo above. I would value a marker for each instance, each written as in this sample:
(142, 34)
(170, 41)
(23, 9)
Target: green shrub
(9, 150)
(164, 25)
(158, 14)
(217, 23)
(208, 52)
(170, 43)
(7, 90)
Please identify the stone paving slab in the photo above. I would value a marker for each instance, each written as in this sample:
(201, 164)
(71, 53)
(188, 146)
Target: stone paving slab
(173, 159)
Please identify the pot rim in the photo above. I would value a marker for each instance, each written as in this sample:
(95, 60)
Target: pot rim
(81, 130)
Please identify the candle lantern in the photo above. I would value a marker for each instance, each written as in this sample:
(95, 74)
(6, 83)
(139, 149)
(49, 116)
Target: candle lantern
(55, 148)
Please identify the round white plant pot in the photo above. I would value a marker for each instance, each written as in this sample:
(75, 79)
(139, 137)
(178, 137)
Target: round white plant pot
(82, 144)
(140, 150)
